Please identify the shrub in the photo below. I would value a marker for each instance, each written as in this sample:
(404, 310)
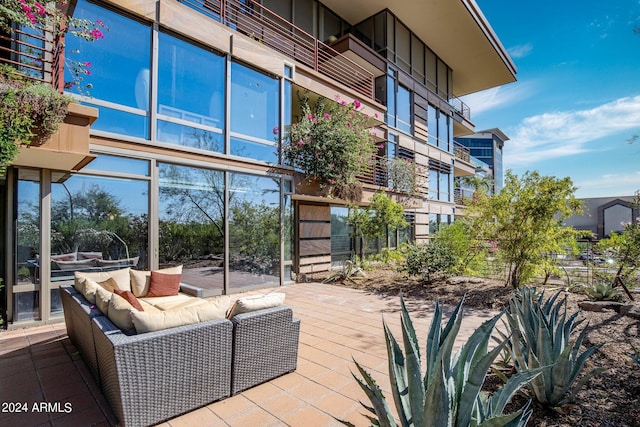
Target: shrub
(602, 291)
(450, 392)
(541, 339)
(430, 261)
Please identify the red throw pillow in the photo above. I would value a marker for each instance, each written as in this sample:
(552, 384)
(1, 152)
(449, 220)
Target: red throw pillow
(130, 297)
(163, 285)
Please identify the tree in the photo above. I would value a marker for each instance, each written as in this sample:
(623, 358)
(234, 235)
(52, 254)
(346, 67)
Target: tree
(382, 215)
(526, 221)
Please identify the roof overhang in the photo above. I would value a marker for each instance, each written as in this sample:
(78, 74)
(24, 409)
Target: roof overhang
(456, 30)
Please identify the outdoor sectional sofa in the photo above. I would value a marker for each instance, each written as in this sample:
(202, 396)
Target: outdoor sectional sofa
(153, 376)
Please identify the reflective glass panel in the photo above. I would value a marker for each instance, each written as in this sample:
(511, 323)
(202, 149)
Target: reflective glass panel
(191, 215)
(98, 224)
(254, 231)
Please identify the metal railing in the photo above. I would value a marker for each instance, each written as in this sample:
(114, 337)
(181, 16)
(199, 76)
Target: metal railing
(376, 174)
(259, 23)
(461, 152)
(462, 108)
(35, 54)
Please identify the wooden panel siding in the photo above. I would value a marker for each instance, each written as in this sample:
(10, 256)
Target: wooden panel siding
(315, 229)
(315, 213)
(315, 247)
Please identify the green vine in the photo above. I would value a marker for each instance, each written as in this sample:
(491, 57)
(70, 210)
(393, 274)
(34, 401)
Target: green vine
(29, 113)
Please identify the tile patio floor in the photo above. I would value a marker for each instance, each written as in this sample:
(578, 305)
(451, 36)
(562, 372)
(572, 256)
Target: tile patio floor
(41, 365)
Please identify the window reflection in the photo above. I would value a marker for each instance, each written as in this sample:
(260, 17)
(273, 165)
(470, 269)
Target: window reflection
(254, 230)
(125, 48)
(254, 113)
(98, 224)
(190, 89)
(191, 215)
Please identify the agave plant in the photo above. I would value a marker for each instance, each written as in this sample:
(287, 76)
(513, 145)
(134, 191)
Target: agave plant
(602, 291)
(450, 392)
(541, 339)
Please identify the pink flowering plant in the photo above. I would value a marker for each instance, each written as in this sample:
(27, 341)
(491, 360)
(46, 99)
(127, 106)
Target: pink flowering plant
(52, 17)
(331, 144)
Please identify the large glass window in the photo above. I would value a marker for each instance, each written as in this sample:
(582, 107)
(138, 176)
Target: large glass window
(190, 95)
(26, 304)
(341, 236)
(119, 70)
(191, 216)
(255, 114)
(404, 109)
(254, 230)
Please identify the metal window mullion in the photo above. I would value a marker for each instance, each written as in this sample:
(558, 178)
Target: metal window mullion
(226, 239)
(153, 84)
(45, 244)
(153, 240)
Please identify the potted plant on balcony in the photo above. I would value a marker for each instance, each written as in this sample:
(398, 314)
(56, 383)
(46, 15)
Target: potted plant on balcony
(331, 145)
(30, 109)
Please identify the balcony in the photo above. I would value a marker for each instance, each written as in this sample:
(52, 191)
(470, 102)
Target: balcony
(381, 174)
(255, 21)
(39, 57)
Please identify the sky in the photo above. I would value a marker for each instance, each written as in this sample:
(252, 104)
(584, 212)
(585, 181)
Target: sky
(576, 103)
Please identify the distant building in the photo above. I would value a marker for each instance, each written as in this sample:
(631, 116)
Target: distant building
(486, 146)
(603, 215)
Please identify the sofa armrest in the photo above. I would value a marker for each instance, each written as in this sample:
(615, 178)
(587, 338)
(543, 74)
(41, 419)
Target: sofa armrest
(151, 377)
(265, 346)
(194, 291)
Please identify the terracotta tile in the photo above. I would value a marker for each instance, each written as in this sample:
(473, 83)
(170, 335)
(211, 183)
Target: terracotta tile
(29, 418)
(254, 416)
(311, 417)
(79, 417)
(288, 381)
(202, 417)
(282, 404)
(231, 406)
(310, 391)
(337, 405)
(262, 392)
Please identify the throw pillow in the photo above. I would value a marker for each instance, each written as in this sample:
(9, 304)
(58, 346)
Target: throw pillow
(120, 313)
(109, 284)
(103, 297)
(140, 279)
(121, 277)
(163, 285)
(156, 321)
(259, 302)
(131, 298)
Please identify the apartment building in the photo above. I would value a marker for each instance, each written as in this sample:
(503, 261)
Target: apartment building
(174, 157)
(487, 146)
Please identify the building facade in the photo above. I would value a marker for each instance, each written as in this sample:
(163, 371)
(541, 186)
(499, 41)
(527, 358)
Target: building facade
(487, 146)
(178, 158)
(604, 215)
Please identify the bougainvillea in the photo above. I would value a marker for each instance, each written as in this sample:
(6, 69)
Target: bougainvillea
(331, 144)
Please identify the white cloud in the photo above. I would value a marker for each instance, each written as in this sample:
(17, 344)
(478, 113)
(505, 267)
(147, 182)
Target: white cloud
(552, 135)
(520, 51)
(623, 184)
(496, 97)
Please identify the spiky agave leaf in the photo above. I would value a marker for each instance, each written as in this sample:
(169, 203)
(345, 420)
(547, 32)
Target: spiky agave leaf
(377, 399)
(398, 377)
(413, 367)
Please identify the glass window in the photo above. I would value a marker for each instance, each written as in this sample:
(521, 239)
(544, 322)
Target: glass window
(279, 7)
(341, 235)
(254, 113)
(304, 15)
(433, 223)
(433, 184)
(254, 230)
(404, 109)
(379, 32)
(443, 131)
(190, 89)
(443, 73)
(331, 24)
(417, 59)
(432, 125)
(443, 187)
(432, 64)
(98, 224)
(391, 101)
(403, 47)
(119, 75)
(28, 227)
(191, 216)
(105, 162)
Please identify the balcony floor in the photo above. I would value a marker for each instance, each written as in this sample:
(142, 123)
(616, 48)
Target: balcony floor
(41, 365)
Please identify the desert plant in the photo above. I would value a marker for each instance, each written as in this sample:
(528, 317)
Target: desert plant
(602, 291)
(450, 392)
(541, 339)
(430, 261)
(348, 271)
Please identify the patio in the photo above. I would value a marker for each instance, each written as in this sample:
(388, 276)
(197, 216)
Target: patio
(40, 366)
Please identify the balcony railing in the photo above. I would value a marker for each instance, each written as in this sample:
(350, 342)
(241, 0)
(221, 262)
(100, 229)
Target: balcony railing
(36, 55)
(462, 108)
(461, 152)
(252, 19)
(379, 174)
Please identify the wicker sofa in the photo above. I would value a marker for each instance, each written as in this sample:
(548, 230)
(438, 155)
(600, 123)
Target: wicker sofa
(150, 377)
